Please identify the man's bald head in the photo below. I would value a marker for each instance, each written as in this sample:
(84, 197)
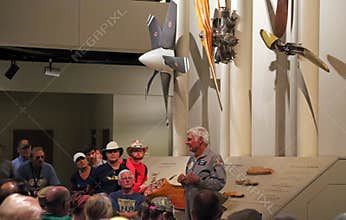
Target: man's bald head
(18, 206)
(58, 200)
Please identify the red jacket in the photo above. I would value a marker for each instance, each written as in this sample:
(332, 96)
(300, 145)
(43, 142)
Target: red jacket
(139, 171)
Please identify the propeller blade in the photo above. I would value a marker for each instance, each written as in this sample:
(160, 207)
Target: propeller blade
(203, 15)
(165, 81)
(315, 59)
(292, 14)
(180, 64)
(167, 39)
(269, 39)
(150, 82)
(280, 21)
(155, 31)
(302, 85)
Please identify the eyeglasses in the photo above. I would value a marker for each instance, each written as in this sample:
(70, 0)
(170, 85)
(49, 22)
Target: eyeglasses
(112, 151)
(79, 159)
(138, 150)
(127, 178)
(39, 157)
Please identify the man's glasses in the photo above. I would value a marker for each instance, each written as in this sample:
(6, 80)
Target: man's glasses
(112, 151)
(39, 157)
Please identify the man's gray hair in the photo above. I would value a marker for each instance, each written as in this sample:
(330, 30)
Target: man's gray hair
(124, 171)
(200, 132)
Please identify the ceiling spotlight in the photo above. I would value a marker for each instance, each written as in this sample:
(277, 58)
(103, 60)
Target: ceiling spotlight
(50, 71)
(12, 70)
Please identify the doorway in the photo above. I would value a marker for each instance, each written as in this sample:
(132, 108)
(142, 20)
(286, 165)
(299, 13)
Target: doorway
(37, 138)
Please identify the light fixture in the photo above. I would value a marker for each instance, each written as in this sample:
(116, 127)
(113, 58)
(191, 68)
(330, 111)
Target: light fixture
(50, 71)
(12, 70)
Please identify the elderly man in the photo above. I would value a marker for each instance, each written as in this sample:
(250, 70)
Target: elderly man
(204, 169)
(126, 202)
(24, 151)
(18, 206)
(36, 172)
(57, 204)
(105, 177)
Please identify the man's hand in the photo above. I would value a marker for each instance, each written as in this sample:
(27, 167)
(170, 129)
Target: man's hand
(188, 179)
(142, 188)
(181, 178)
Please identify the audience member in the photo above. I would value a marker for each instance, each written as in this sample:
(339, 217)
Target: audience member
(204, 170)
(105, 178)
(341, 216)
(41, 196)
(78, 204)
(97, 207)
(206, 205)
(24, 151)
(20, 207)
(245, 214)
(139, 170)
(11, 186)
(57, 204)
(36, 172)
(82, 176)
(126, 202)
(94, 157)
(6, 169)
(160, 208)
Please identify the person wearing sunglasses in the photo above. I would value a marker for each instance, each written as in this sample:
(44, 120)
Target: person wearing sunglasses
(105, 178)
(36, 172)
(81, 177)
(24, 151)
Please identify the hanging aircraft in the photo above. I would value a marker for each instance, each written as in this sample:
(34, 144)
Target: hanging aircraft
(162, 57)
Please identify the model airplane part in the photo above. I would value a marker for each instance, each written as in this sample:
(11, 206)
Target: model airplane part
(224, 39)
(162, 57)
(206, 35)
(274, 43)
(280, 21)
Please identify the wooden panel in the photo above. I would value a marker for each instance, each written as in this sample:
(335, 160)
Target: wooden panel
(39, 23)
(118, 25)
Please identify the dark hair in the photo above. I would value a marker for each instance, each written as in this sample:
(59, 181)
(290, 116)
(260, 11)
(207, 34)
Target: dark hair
(206, 205)
(87, 149)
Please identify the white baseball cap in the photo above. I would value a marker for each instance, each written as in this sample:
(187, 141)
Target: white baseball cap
(78, 155)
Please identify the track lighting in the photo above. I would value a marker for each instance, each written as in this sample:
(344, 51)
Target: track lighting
(50, 71)
(12, 70)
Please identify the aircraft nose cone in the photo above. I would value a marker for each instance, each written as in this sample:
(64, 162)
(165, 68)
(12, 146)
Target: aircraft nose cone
(144, 59)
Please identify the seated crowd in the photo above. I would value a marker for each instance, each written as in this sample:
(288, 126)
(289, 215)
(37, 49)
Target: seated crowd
(107, 186)
(104, 186)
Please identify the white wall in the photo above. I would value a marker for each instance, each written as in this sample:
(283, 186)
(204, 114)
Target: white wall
(126, 83)
(332, 102)
(204, 107)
